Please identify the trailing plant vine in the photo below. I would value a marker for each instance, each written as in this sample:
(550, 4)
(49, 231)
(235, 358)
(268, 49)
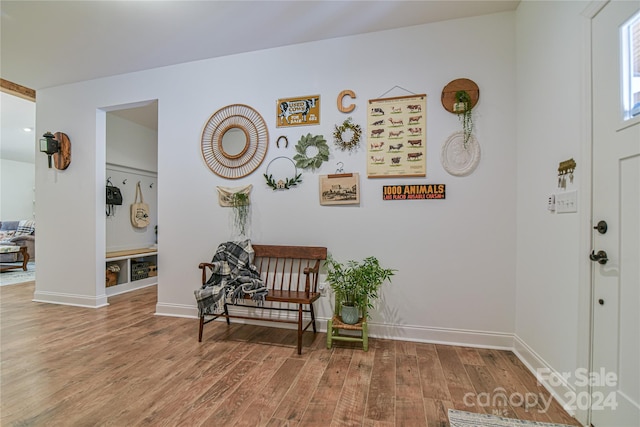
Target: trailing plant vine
(241, 209)
(463, 108)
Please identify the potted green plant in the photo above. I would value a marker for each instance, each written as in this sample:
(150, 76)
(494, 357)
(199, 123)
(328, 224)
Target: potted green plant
(356, 285)
(462, 108)
(240, 205)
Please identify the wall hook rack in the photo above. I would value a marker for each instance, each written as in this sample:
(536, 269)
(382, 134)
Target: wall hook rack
(124, 182)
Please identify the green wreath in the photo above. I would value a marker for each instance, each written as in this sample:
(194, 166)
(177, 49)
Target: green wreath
(355, 139)
(304, 162)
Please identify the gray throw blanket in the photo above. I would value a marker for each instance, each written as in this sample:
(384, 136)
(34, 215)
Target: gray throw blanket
(234, 276)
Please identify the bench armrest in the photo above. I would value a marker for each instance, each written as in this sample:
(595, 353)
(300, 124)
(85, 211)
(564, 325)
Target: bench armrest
(212, 266)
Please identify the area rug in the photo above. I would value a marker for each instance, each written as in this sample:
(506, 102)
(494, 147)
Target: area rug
(470, 419)
(13, 277)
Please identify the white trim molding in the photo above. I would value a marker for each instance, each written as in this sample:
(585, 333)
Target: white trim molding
(70, 299)
(559, 388)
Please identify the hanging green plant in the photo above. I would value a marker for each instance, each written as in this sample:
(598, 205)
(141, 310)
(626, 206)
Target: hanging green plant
(463, 108)
(240, 205)
(347, 136)
(307, 141)
(285, 184)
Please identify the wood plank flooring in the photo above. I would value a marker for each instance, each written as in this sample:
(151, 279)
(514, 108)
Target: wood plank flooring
(122, 366)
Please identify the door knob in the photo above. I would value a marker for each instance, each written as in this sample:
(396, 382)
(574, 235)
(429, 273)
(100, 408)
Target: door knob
(600, 257)
(601, 301)
(601, 227)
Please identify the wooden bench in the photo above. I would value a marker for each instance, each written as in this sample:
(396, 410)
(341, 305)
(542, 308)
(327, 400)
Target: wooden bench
(290, 274)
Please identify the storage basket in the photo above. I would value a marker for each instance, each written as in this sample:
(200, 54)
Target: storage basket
(139, 265)
(153, 270)
(112, 278)
(139, 273)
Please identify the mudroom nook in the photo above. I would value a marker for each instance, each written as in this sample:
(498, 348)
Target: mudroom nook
(131, 260)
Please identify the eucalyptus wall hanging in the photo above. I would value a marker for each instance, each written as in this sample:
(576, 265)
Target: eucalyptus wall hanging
(305, 148)
(286, 183)
(347, 136)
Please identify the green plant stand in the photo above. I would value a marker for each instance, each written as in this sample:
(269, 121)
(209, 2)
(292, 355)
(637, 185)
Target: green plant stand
(335, 325)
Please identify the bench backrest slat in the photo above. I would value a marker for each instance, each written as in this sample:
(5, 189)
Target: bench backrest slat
(283, 267)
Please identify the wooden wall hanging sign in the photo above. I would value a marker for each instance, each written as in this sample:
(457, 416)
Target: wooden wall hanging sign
(414, 192)
(348, 108)
(299, 111)
(448, 97)
(62, 159)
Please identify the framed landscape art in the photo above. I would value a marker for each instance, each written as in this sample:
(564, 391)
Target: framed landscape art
(340, 189)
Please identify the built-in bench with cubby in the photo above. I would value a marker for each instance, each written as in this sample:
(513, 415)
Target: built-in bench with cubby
(137, 268)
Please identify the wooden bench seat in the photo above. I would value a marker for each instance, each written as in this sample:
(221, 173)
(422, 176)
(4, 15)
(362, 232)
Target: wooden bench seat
(290, 274)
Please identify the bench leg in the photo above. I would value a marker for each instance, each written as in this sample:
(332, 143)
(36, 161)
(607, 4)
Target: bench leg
(299, 328)
(313, 317)
(201, 327)
(226, 311)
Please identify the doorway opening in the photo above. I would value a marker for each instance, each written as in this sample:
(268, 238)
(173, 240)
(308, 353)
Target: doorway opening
(132, 167)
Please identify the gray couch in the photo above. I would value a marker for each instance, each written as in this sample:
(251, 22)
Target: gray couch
(18, 233)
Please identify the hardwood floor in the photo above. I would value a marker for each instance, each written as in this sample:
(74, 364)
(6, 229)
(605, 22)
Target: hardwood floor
(122, 366)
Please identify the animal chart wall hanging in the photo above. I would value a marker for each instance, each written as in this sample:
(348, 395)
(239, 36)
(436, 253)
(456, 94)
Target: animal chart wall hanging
(396, 137)
(300, 111)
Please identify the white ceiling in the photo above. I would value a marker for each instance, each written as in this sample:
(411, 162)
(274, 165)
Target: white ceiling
(49, 43)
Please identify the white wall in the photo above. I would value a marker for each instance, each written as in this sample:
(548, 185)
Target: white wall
(130, 144)
(551, 128)
(121, 234)
(17, 180)
(456, 258)
(132, 157)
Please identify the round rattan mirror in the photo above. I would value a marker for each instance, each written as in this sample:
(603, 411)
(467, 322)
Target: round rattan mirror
(234, 141)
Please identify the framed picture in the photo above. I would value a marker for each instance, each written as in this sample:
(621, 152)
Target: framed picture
(340, 189)
(396, 137)
(300, 111)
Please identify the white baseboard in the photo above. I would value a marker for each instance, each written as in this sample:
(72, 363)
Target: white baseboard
(70, 299)
(467, 338)
(176, 310)
(448, 336)
(559, 388)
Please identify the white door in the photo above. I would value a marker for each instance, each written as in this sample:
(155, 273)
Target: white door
(615, 372)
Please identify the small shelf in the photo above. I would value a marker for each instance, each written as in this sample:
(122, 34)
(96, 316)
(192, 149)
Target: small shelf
(125, 259)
